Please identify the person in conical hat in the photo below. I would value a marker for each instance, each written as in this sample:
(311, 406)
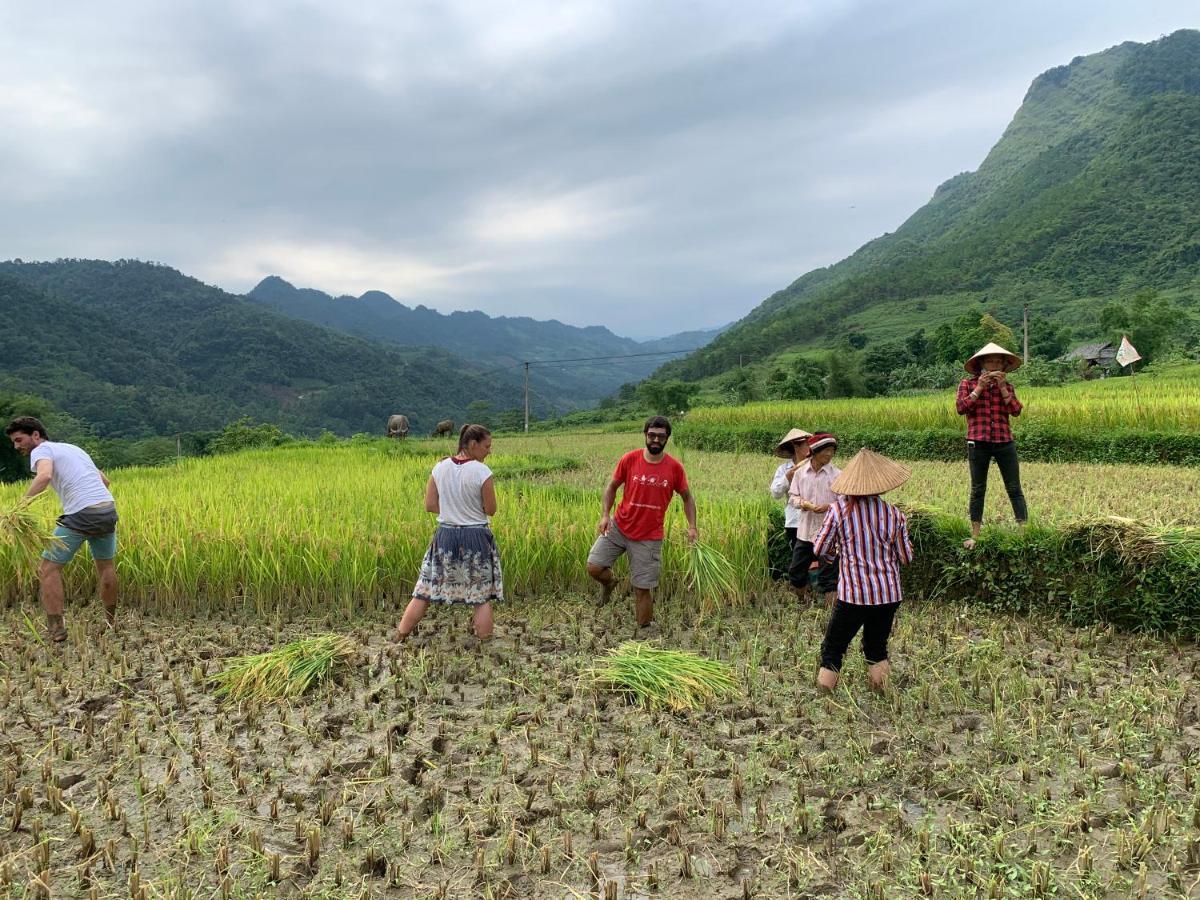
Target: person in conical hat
(869, 539)
(988, 401)
(793, 449)
(811, 496)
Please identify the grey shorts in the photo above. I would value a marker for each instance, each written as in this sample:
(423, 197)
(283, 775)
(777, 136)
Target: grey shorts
(645, 557)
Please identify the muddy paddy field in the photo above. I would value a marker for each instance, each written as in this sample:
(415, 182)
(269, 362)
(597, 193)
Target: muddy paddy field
(1011, 758)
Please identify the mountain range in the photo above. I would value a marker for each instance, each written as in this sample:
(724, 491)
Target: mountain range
(133, 349)
(491, 342)
(1092, 193)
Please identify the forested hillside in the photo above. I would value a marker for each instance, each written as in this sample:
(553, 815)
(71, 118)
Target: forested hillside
(1091, 196)
(134, 348)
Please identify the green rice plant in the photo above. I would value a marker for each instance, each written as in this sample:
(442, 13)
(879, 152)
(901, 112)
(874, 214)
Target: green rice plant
(267, 532)
(24, 531)
(712, 577)
(285, 672)
(1151, 418)
(672, 679)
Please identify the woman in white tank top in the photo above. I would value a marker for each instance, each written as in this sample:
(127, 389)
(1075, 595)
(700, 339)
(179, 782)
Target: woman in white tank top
(462, 564)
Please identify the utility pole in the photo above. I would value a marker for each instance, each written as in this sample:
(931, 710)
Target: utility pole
(527, 397)
(1025, 356)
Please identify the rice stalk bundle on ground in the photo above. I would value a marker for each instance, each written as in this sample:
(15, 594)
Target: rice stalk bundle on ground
(672, 679)
(21, 529)
(1138, 543)
(712, 577)
(285, 672)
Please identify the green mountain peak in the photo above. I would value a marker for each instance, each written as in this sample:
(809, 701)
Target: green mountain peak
(1093, 189)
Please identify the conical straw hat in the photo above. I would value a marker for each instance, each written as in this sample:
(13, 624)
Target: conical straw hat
(870, 473)
(781, 449)
(973, 364)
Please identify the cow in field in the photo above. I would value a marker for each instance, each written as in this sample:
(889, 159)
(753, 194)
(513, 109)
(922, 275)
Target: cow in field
(444, 427)
(397, 426)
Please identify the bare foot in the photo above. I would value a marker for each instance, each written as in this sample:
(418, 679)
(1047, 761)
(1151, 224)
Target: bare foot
(969, 543)
(399, 637)
(827, 679)
(877, 675)
(648, 631)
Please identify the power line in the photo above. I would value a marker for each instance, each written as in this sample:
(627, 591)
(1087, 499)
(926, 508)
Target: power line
(581, 359)
(535, 362)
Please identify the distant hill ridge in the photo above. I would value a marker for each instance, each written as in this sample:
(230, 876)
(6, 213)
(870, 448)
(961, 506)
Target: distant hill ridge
(489, 340)
(1093, 190)
(135, 349)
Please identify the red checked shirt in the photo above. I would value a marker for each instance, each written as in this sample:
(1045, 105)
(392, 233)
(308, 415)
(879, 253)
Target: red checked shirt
(870, 541)
(987, 416)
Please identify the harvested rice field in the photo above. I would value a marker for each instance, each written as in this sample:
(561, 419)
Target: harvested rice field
(1010, 758)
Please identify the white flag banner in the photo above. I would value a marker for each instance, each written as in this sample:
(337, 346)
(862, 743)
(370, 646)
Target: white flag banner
(1127, 354)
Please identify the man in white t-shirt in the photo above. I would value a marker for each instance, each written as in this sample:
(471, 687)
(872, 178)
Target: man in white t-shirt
(89, 514)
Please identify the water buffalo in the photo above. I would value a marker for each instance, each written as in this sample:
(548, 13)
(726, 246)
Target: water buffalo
(397, 426)
(444, 427)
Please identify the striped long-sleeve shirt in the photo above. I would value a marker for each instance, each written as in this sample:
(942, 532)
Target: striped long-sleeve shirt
(869, 537)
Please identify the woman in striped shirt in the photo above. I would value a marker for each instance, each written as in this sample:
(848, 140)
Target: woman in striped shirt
(869, 537)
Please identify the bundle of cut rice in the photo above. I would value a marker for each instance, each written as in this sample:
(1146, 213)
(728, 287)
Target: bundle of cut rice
(676, 679)
(25, 531)
(712, 577)
(286, 671)
(1137, 543)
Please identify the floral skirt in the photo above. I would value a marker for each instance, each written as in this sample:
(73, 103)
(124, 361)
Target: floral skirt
(461, 565)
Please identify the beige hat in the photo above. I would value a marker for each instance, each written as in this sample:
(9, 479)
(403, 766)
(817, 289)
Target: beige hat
(975, 362)
(870, 473)
(782, 450)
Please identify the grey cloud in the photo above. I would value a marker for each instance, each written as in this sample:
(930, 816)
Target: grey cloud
(661, 165)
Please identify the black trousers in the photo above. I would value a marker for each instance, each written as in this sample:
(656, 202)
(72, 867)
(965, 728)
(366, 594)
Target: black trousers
(790, 531)
(802, 558)
(979, 457)
(844, 622)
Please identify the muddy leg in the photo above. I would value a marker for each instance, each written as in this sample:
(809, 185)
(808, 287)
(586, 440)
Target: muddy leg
(413, 613)
(606, 579)
(483, 621)
(644, 606)
(107, 571)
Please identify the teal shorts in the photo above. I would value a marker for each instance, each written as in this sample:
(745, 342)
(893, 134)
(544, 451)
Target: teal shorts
(101, 547)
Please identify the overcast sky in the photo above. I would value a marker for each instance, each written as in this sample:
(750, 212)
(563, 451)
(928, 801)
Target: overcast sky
(649, 166)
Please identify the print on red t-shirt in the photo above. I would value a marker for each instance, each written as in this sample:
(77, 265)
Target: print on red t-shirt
(648, 491)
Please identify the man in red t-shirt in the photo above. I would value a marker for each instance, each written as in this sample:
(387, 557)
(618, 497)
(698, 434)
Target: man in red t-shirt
(651, 479)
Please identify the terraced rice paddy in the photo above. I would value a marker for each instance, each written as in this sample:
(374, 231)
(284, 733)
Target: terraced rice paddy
(1011, 758)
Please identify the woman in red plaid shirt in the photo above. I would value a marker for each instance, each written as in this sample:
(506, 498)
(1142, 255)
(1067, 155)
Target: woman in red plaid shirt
(987, 400)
